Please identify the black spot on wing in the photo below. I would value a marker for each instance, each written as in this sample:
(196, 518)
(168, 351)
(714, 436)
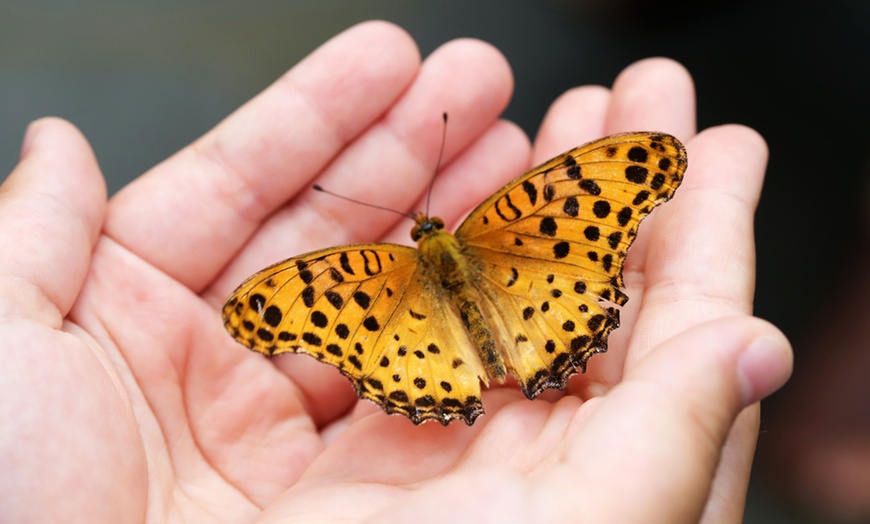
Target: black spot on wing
(636, 174)
(335, 275)
(640, 197)
(637, 154)
(308, 296)
(613, 239)
(571, 207)
(312, 339)
(561, 249)
(549, 192)
(345, 264)
(531, 191)
(272, 316)
(362, 299)
(548, 226)
(513, 278)
(257, 301)
(624, 216)
(601, 208)
(506, 209)
(371, 262)
(592, 233)
(334, 299)
(590, 186)
(319, 319)
(371, 324)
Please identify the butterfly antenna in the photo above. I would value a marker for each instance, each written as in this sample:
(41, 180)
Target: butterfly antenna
(317, 187)
(437, 164)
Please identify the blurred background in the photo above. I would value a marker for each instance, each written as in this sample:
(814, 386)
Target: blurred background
(141, 79)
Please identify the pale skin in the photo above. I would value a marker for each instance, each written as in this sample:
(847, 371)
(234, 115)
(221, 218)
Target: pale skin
(123, 399)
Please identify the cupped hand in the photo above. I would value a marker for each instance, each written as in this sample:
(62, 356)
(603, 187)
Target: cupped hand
(123, 399)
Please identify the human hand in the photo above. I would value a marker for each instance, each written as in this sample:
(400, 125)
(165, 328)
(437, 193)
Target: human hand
(123, 397)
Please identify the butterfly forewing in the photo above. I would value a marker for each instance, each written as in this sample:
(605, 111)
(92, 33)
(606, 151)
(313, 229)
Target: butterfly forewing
(371, 312)
(550, 247)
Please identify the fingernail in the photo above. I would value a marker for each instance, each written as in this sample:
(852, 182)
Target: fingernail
(29, 134)
(763, 367)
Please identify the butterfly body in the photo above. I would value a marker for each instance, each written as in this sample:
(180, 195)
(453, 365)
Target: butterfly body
(441, 255)
(528, 286)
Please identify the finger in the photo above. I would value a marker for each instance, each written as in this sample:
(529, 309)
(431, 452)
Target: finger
(576, 117)
(211, 196)
(672, 413)
(701, 261)
(700, 265)
(51, 210)
(656, 94)
(392, 163)
(727, 501)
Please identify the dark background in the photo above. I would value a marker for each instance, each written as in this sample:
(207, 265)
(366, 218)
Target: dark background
(142, 79)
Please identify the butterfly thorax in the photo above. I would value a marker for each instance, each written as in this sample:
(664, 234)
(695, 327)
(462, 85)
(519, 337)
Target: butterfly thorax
(442, 253)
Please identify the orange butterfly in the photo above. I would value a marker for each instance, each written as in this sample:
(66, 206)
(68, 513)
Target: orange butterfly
(522, 287)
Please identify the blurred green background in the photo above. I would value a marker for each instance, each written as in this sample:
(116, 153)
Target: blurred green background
(143, 78)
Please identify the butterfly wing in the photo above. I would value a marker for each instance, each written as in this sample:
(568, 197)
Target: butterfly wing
(370, 311)
(550, 246)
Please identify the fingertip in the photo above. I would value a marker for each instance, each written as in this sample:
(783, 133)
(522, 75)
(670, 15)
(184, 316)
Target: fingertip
(56, 128)
(576, 117)
(351, 79)
(764, 365)
(729, 158)
(378, 33)
(741, 357)
(51, 210)
(466, 61)
(655, 67)
(57, 158)
(381, 33)
(59, 148)
(737, 139)
(381, 28)
(475, 49)
(29, 135)
(654, 94)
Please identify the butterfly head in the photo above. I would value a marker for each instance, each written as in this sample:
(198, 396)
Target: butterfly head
(425, 225)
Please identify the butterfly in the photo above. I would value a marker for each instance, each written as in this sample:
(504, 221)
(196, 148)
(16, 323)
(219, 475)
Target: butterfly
(527, 286)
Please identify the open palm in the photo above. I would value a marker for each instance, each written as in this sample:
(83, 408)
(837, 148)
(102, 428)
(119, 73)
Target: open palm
(122, 398)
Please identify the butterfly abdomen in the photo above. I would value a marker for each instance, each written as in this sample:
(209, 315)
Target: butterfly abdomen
(482, 337)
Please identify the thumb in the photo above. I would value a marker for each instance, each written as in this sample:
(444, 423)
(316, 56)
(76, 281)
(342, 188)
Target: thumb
(51, 211)
(657, 437)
